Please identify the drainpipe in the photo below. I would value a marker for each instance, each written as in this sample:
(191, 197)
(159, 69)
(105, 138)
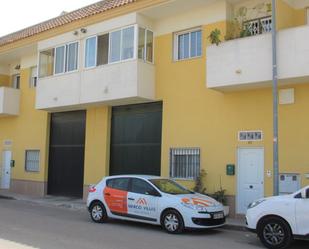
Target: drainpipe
(275, 103)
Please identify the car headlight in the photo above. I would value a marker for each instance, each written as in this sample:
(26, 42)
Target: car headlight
(255, 203)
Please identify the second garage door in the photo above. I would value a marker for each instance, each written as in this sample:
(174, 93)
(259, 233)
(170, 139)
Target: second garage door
(136, 139)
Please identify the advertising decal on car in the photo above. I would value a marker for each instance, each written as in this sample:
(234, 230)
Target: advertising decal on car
(197, 202)
(116, 200)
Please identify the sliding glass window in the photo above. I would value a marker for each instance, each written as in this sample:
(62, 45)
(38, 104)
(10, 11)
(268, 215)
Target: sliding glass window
(90, 52)
(127, 43)
(115, 46)
(60, 60)
(72, 57)
(46, 63)
(145, 45)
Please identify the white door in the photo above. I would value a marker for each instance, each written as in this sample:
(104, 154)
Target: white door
(6, 169)
(250, 177)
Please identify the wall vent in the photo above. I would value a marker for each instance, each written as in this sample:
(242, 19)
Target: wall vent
(250, 136)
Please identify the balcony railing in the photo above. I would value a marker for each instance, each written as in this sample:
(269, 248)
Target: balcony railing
(258, 26)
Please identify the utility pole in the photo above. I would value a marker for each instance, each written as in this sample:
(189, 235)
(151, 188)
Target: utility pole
(275, 103)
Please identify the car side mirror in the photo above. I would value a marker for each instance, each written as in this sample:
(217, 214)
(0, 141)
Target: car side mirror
(304, 194)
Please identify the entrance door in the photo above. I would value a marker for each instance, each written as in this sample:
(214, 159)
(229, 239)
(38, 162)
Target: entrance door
(66, 154)
(250, 177)
(6, 169)
(136, 139)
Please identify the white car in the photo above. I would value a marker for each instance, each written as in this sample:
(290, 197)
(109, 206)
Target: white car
(280, 219)
(153, 200)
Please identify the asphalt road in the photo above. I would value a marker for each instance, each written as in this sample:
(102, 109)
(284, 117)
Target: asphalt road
(24, 225)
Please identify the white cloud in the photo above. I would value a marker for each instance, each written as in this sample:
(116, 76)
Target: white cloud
(19, 14)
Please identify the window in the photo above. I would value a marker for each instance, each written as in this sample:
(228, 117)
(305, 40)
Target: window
(32, 161)
(72, 56)
(145, 45)
(127, 43)
(307, 16)
(307, 193)
(141, 187)
(121, 45)
(170, 187)
(119, 183)
(184, 163)
(103, 44)
(60, 60)
(188, 45)
(115, 46)
(16, 81)
(46, 63)
(90, 53)
(33, 77)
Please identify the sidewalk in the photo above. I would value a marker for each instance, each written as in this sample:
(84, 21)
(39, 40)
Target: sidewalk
(79, 205)
(52, 201)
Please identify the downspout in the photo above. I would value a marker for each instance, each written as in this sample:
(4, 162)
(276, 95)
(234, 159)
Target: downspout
(275, 102)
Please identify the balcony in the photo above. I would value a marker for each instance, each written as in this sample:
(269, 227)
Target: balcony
(247, 62)
(9, 101)
(122, 83)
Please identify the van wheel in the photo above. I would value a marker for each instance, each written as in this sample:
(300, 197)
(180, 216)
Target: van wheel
(274, 233)
(98, 212)
(172, 222)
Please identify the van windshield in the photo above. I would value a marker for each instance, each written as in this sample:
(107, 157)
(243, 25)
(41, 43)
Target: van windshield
(170, 187)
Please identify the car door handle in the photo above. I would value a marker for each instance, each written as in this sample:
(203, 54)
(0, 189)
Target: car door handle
(131, 199)
(107, 194)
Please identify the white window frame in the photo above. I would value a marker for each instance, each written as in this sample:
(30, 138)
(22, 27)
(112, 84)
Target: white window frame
(39, 63)
(66, 57)
(39, 161)
(31, 78)
(176, 43)
(135, 42)
(185, 152)
(145, 44)
(14, 81)
(96, 51)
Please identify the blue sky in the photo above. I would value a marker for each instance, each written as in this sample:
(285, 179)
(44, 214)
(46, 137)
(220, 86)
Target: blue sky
(19, 14)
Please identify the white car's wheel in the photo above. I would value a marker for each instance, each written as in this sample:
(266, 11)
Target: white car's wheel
(274, 233)
(172, 222)
(98, 212)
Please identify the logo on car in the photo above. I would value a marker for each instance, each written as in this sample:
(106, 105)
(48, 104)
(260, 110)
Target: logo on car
(141, 201)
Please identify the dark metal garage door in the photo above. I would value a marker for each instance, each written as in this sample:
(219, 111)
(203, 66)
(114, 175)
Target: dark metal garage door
(66, 154)
(136, 139)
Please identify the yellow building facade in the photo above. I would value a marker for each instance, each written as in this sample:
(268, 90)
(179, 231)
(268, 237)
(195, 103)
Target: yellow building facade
(225, 119)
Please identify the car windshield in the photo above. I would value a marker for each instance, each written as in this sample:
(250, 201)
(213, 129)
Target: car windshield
(170, 187)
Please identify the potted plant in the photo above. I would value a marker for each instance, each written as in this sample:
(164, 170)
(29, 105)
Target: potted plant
(214, 37)
(221, 197)
(199, 185)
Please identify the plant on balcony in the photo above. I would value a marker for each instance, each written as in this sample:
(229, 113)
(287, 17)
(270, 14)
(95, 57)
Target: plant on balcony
(214, 37)
(239, 27)
(199, 183)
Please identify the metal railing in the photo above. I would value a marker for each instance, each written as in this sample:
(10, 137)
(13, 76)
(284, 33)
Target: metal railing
(258, 26)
